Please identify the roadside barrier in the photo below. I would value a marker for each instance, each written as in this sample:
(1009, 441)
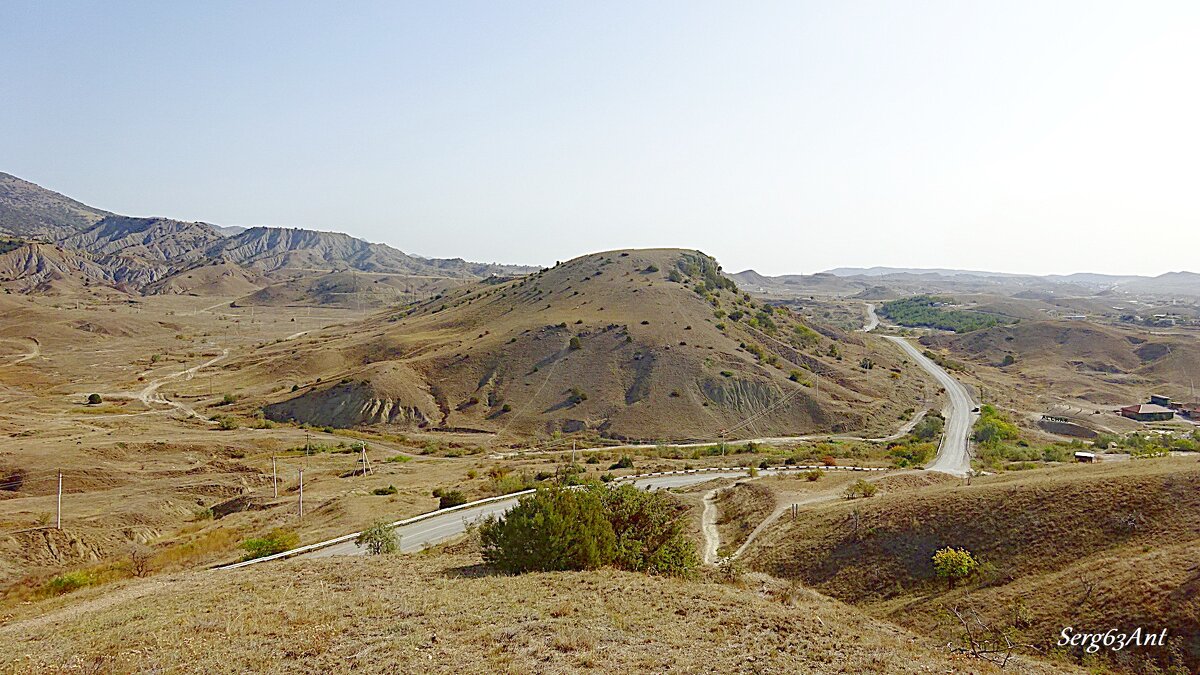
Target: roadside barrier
(308, 548)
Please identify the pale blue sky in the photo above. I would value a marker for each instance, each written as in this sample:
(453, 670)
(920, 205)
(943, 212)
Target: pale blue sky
(788, 137)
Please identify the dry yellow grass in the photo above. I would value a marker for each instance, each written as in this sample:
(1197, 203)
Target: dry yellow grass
(442, 613)
(740, 508)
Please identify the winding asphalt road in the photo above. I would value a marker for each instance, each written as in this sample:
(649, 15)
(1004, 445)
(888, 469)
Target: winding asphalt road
(953, 454)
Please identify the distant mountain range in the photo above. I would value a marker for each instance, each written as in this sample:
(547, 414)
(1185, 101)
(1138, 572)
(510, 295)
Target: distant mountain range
(880, 282)
(57, 241)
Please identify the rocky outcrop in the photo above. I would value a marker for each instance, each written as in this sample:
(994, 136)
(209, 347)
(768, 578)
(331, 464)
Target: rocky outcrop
(384, 395)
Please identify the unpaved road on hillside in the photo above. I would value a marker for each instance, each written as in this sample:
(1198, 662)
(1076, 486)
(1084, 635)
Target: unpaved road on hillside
(150, 394)
(953, 454)
(872, 320)
(32, 354)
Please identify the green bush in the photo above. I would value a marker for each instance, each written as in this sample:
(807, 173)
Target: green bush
(650, 531)
(912, 454)
(378, 539)
(561, 529)
(449, 498)
(65, 583)
(1057, 453)
(552, 529)
(860, 489)
(626, 462)
(94, 399)
(954, 564)
(383, 491)
(277, 540)
(575, 343)
(993, 427)
(929, 428)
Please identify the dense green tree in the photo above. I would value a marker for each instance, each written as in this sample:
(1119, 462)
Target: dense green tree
(552, 529)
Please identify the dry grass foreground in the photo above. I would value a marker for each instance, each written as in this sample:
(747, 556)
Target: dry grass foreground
(441, 613)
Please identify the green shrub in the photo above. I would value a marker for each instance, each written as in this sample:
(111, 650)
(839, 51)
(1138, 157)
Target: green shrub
(1057, 453)
(912, 454)
(860, 489)
(94, 399)
(389, 490)
(927, 311)
(450, 498)
(625, 462)
(650, 531)
(560, 529)
(954, 564)
(993, 427)
(378, 539)
(277, 540)
(575, 343)
(929, 428)
(65, 583)
(552, 529)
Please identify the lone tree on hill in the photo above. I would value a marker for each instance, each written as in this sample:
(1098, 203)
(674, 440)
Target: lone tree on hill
(953, 564)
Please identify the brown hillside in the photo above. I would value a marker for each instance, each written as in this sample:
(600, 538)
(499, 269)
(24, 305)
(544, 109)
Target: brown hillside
(1103, 546)
(48, 270)
(216, 278)
(351, 290)
(650, 344)
(1103, 364)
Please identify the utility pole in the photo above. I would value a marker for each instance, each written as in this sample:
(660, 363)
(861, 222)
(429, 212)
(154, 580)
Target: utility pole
(366, 466)
(307, 443)
(572, 453)
(274, 478)
(59, 523)
(301, 494)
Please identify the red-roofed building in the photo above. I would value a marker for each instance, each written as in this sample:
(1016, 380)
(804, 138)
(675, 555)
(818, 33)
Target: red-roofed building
(1148, 412)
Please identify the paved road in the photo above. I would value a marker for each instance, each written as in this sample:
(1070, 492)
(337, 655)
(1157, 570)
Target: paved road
(416, 536)
(953, 454)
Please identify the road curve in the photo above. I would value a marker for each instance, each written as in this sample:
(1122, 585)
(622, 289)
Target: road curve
(953, 454)
(438, 528)
(872, 319)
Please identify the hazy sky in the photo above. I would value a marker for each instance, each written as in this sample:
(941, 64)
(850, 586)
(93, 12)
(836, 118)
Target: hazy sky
(788, 137)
